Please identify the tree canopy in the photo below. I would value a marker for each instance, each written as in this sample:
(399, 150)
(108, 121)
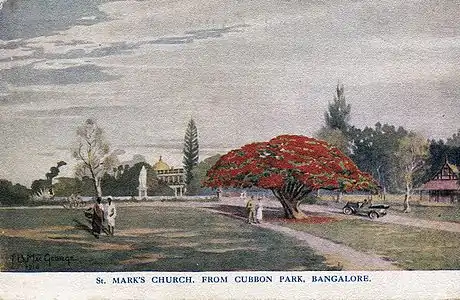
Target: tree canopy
(191, 151)
(13, 194)
(93, 153)
(291, 166)
(338, 114)
(454, 140)
(412, 155)
(41, 185)
(374, 151)
(336, 119)
(126, 183)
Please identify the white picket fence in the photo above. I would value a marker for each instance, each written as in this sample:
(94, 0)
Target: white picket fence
(136, 199)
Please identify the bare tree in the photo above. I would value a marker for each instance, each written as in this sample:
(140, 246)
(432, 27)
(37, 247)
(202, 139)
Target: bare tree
(93, 153)
(412, 155)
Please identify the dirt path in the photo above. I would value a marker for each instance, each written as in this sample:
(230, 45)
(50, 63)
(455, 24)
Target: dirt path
(394, 219)
(336, 254)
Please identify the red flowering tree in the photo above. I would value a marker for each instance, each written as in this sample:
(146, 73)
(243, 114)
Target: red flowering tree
(291, 166)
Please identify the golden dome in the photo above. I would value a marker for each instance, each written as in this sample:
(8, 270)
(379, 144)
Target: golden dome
(161, 166)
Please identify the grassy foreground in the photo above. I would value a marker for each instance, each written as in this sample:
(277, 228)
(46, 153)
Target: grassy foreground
(146, 239)
(412, 248)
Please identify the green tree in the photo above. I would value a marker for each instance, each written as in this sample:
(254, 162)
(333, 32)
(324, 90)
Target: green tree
(334, 137)
(199, 173)
(39, 186)
(42, 186)
(54, 171)
(66, 186)
(338, 114)
(337, 118)
(191, 151)
(454, 140)
(13, 194)
(412, 154)
(335, 131)
(373, 150)
(127, 183)
(93, 153)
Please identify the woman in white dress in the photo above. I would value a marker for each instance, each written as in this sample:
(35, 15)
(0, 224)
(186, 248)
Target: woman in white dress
(259, 211)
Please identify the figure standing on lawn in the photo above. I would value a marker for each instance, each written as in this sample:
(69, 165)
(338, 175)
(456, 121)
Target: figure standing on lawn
(98, 217)
(259, 210)
(251, 209)
(111, 215)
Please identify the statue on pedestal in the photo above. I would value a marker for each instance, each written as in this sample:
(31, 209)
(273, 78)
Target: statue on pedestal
(142, 183)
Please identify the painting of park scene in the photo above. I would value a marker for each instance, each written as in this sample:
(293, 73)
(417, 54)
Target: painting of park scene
(229, 136)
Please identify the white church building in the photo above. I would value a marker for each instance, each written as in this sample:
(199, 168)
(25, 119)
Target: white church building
(173, 177)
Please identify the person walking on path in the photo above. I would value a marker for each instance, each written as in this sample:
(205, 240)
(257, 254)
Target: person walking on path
(259, 211)
(98, 217)
(111, 215)
(251, 209)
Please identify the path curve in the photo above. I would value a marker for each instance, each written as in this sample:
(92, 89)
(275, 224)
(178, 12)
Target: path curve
(390, 218)
(336, 254)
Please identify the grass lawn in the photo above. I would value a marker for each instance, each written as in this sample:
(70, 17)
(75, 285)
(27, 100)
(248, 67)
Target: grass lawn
(449, 213)
(410, 247)
(146, 239)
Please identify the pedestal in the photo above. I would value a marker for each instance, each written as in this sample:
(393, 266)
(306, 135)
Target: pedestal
(142, 193)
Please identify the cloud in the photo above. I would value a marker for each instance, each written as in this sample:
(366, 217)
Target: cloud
(159, 145)
(3, 89)
(29, 75)
(70, 111)
(9, 45)
(17, 97)
(191, 36)
(29, 19)
(117, 48)
(72, 43)
(46, 154)
(241, 83)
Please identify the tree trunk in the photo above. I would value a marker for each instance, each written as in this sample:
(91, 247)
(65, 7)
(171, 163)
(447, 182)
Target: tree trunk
(406, 200)
(339, 197)
(51, 187)
(291, 207)
(290, 195)
(97, 186)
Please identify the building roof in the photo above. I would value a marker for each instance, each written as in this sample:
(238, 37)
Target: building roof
(440, 185)
(160, 165)
(453, 167)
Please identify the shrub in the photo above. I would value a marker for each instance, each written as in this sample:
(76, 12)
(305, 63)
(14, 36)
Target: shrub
(310, 199)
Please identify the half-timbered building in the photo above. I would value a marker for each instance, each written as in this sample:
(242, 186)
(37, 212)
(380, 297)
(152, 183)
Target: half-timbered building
(444, 185)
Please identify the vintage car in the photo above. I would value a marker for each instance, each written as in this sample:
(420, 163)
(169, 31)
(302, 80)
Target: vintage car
(373, 211)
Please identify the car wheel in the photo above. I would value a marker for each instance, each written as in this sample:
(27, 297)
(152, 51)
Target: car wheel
(347, 211)
(373, 215)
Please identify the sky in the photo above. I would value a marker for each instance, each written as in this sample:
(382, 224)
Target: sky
(244, 70)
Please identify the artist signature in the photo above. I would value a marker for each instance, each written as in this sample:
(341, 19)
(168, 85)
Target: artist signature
(37, 261)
